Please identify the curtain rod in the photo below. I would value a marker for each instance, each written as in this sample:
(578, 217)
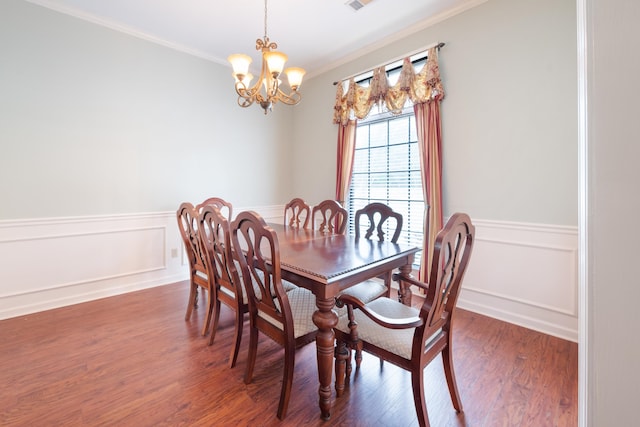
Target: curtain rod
(415, 52)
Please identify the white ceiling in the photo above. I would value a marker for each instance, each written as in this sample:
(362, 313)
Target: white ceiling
(316, 34)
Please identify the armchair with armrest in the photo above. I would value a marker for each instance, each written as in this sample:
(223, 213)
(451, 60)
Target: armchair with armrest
(405, 336)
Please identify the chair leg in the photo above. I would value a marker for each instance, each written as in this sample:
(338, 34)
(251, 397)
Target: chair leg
(447, 359)
(216, 318)
(387, 283)
(253, 349)
(235, 348)
(347, 377)
(193, 297)
(358, 346)
(287, 379)
(417, 384)
(353, 337)
(208, 315)
(341, 355)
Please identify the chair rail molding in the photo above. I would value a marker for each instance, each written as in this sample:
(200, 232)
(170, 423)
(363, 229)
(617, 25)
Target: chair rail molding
(520, 273)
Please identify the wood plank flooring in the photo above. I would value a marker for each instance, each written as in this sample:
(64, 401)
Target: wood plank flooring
(132, 360)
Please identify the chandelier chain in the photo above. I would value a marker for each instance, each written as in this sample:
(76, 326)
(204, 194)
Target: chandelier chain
(265, 19)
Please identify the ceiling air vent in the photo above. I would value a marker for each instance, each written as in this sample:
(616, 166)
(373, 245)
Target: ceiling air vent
(357, 4)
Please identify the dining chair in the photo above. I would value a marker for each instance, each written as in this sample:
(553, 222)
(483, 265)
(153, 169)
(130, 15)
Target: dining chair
(223, 277)
(187, 216)
(297, 213)
(285, 317)
(226, 208)
(403, 335)
(329, 217)
(382, 219)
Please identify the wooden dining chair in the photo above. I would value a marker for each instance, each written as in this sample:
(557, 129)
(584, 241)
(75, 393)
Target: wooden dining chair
(187, 216)
(285, 317)
(225, 207)
(297, 213)
(405, 336)
(329, 217)
(224, 281)
(381, 219)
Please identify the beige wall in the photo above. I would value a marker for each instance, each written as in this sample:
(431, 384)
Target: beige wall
(509, 117)
(93, 121)
(98, 122)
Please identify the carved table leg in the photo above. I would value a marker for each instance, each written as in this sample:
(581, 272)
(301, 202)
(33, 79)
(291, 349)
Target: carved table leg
(325, 319)
(404, 292)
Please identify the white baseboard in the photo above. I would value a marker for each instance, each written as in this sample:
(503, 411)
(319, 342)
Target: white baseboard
(521, 273)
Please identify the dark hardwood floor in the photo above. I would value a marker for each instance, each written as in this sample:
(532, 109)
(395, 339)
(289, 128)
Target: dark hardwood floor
(132, 360)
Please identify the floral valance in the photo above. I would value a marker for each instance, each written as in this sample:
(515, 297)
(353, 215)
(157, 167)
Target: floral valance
(421, 87)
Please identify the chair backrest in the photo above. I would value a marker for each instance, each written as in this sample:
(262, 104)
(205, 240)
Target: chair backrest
(225, 207)
(215, 237)
(187, 216)
(380, 216)
(332, 217)
(297, 213)
(451, 254)
(257, 249)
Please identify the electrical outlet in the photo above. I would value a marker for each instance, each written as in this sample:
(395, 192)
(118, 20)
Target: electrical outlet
(174, 253)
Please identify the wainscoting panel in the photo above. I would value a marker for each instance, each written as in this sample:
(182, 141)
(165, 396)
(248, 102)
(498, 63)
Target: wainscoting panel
(50, 263)
(525, 274)
(521, 273)
(53, 262)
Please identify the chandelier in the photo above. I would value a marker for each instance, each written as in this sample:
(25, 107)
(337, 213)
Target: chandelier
(268, 88)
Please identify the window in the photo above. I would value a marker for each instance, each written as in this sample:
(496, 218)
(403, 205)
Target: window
(386, 169)
(386, 165)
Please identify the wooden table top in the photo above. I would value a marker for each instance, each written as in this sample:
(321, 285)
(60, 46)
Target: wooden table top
(335, 260)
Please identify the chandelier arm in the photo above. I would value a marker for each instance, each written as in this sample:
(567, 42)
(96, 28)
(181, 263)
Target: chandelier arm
(274, 87)
(243, 91)
(289, 99)
(244, 102)
(254, 90)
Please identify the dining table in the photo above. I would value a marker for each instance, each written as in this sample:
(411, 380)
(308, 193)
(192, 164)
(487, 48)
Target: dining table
(327, 264)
